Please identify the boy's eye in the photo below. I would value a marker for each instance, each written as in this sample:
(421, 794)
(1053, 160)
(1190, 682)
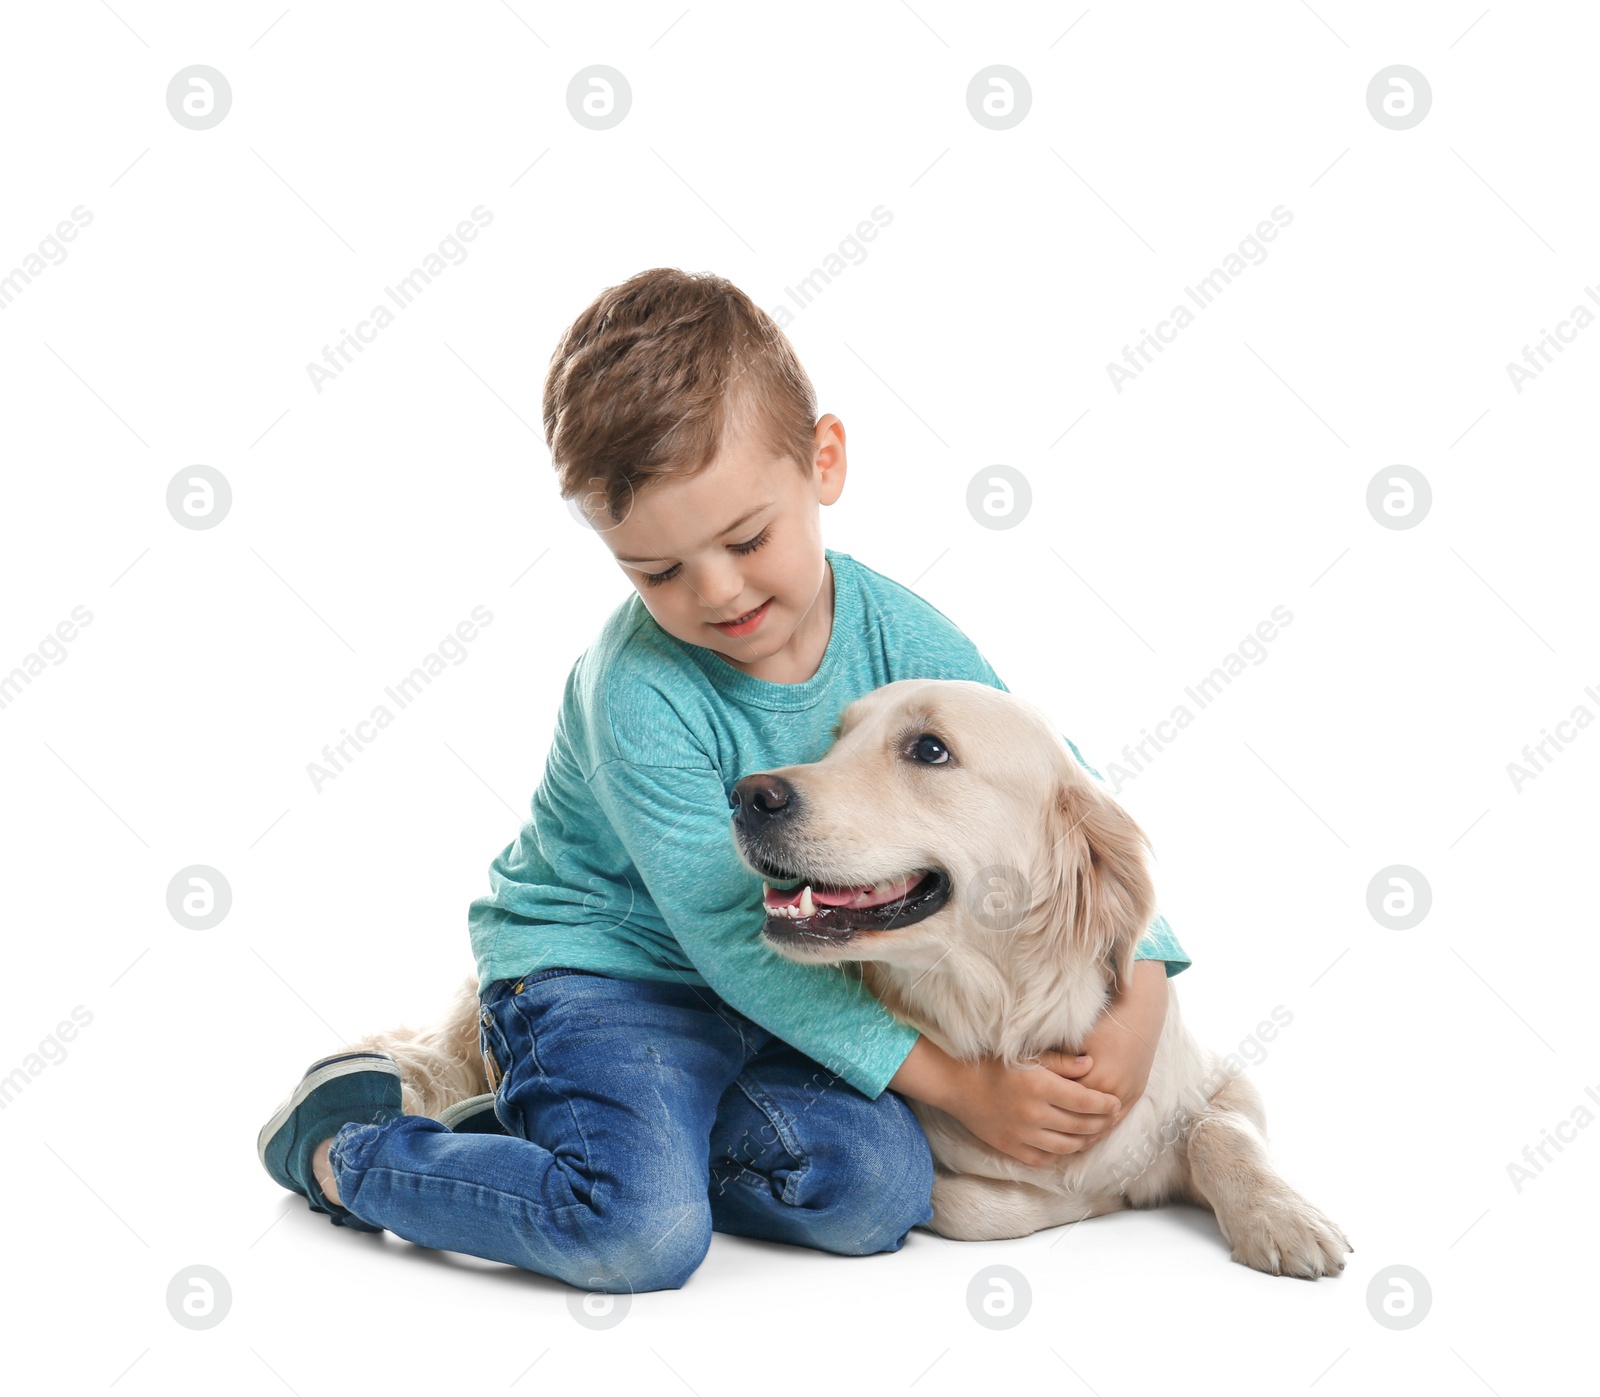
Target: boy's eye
(750, 545)
(655, 579)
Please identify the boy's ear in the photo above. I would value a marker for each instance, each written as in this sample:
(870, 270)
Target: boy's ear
(1101, 892)
(829, 463)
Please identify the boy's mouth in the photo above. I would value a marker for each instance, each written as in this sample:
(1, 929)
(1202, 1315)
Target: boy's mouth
(746, 623)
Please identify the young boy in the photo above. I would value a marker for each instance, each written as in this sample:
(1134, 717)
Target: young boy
(661, 1073)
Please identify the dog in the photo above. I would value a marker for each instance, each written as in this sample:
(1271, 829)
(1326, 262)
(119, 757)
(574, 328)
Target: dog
(993, 896)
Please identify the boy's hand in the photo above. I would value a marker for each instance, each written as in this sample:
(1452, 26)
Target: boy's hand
(1124, 1037)
(1035, 1113)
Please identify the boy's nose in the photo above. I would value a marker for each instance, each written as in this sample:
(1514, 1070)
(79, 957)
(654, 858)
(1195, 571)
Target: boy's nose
(759, 798)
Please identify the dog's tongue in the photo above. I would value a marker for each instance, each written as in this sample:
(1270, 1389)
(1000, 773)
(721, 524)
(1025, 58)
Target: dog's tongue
(847, 897)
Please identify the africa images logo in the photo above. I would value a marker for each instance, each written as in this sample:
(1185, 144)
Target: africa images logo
(404, 293)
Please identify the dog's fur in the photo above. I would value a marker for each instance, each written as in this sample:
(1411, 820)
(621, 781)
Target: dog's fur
(1011, 809)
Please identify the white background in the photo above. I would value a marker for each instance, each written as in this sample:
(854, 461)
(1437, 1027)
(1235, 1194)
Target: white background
(370, 518)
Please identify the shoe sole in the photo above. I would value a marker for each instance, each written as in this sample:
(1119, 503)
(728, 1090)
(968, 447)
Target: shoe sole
(325, 1069)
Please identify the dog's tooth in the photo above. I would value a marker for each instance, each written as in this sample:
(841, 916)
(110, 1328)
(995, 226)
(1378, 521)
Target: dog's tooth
(808, 908)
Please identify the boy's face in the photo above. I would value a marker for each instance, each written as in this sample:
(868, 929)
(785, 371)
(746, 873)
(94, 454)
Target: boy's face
(743, 534)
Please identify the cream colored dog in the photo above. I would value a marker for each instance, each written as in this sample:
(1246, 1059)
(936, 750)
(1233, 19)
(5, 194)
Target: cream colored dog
(994, 896)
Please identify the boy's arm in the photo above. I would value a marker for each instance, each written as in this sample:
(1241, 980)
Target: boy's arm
(1122, 1043)
(674, 822)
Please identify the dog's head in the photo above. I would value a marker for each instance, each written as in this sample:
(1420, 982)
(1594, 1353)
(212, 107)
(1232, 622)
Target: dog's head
(946, 812)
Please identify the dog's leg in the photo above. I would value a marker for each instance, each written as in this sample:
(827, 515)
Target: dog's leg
(1265, 1222)
(441, 1064)
(971, 1208)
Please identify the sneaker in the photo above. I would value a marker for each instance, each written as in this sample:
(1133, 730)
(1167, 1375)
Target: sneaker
(363, 1087)
(474, 1116)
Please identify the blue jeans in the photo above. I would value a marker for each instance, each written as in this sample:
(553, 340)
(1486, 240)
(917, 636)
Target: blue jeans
(644, 1116)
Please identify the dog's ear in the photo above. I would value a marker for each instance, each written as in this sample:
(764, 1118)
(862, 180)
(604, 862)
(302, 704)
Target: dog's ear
(1100, 894)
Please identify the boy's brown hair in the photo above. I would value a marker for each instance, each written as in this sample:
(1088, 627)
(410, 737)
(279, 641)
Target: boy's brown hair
(651, 379)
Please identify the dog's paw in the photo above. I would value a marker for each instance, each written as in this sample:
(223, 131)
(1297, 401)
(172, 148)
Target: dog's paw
(1286, 1236)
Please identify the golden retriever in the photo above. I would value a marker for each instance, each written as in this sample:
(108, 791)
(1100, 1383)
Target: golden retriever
(994, 896)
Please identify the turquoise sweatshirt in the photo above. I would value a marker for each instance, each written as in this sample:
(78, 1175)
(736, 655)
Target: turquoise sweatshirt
(627, 865)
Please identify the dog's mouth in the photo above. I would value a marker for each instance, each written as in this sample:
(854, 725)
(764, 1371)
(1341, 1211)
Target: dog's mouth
(807, 910)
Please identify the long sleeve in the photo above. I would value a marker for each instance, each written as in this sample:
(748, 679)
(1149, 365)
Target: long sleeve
(1160, 943)
(673, 821)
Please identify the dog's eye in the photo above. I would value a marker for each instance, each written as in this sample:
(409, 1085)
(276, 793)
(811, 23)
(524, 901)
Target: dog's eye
(928, 750)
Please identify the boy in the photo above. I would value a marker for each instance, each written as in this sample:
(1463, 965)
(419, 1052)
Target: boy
(660, 1072)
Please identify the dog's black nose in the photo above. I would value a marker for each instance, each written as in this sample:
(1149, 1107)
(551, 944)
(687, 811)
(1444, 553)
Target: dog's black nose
(759, 798)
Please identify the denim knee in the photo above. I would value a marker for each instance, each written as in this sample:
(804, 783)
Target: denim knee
(876, 1187)
(637, 1249)
(650, 1233)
